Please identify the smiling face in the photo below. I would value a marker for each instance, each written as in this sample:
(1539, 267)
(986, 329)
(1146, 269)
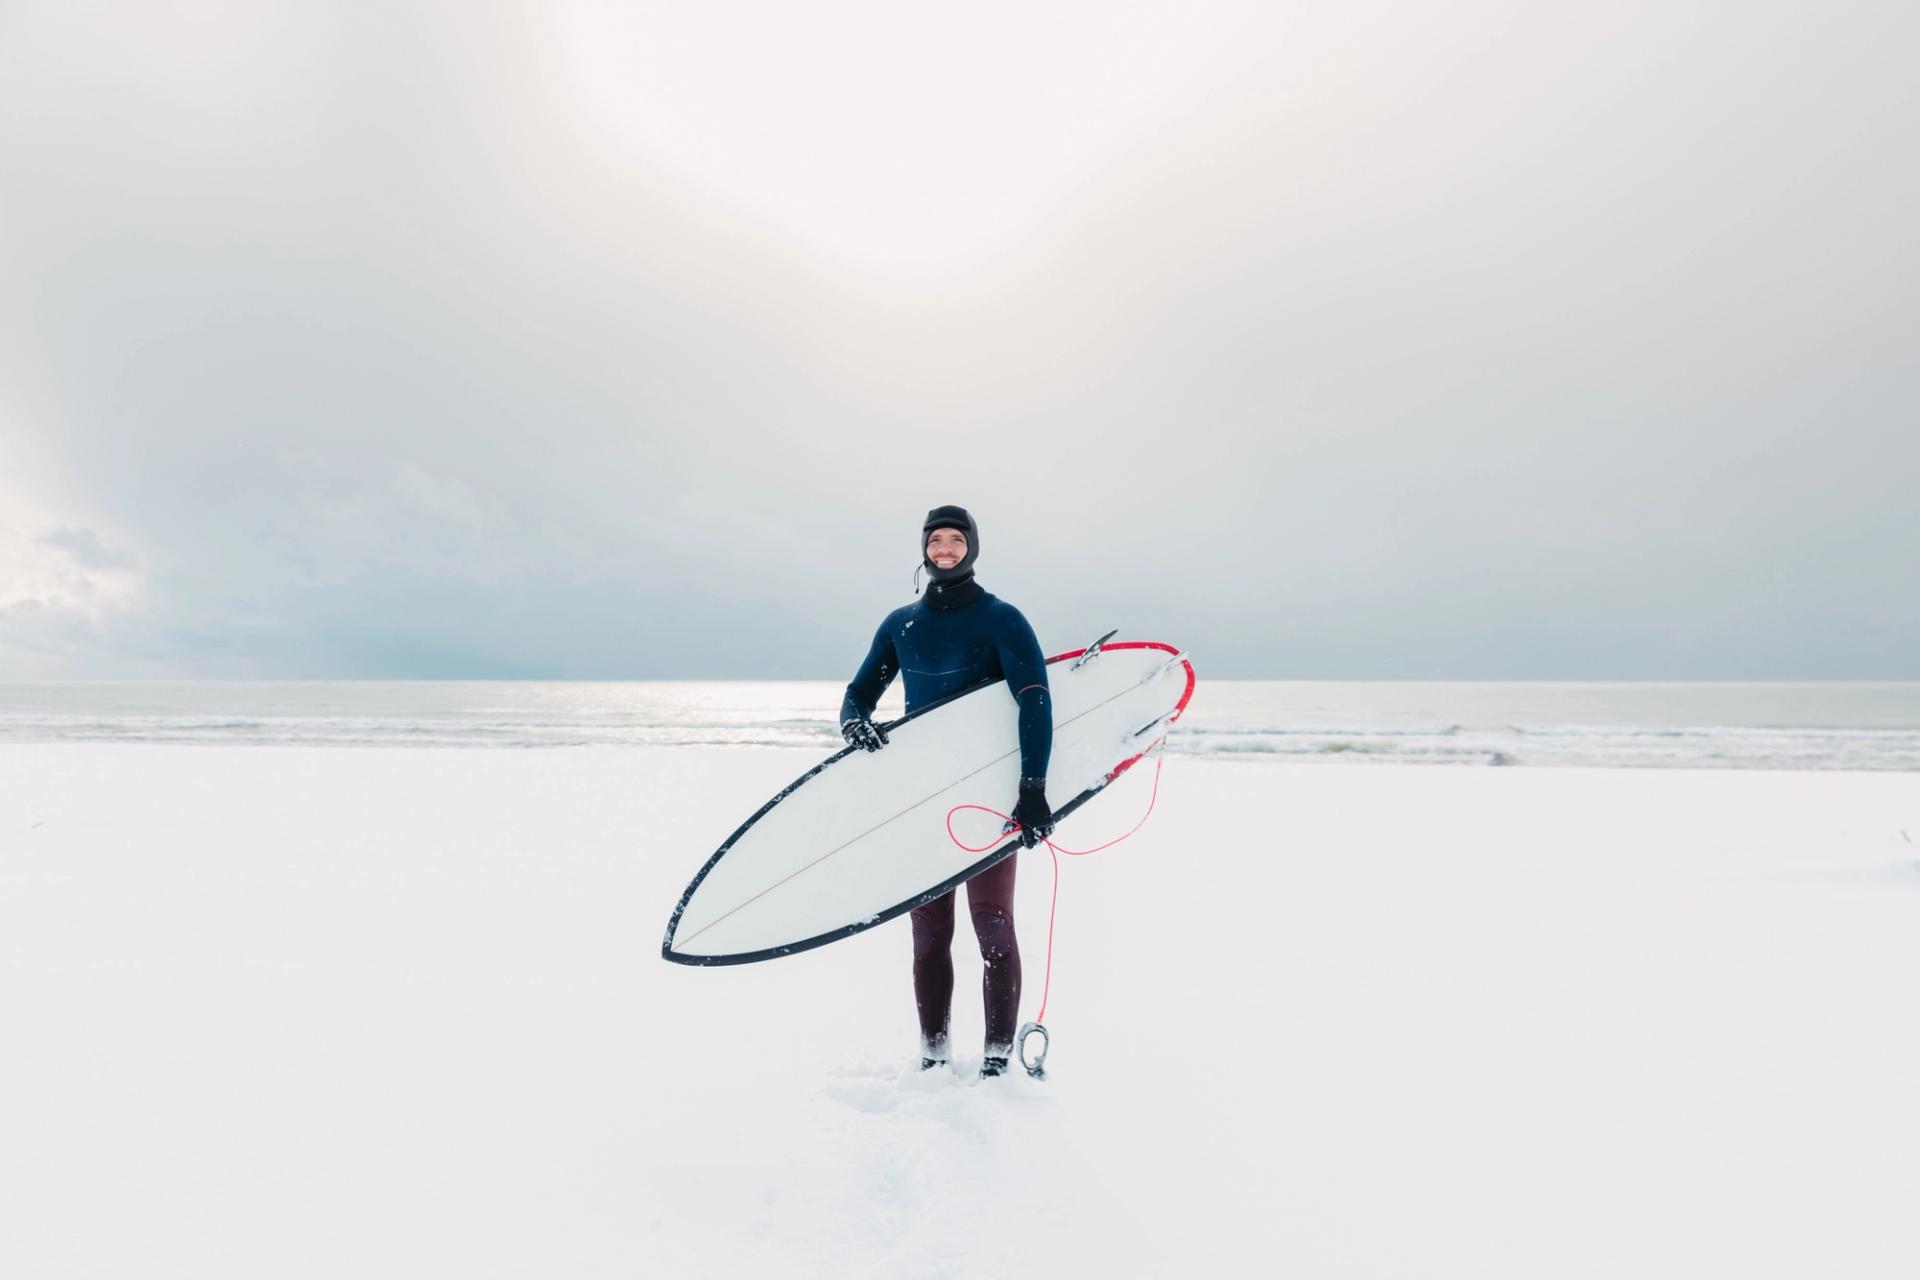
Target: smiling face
(946, 548)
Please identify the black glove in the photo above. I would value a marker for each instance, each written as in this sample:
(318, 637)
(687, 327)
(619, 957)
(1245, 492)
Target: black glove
(863, 733)
(1032, 812)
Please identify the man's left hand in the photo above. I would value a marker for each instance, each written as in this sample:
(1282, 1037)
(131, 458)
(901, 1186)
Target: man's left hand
(1031, 813)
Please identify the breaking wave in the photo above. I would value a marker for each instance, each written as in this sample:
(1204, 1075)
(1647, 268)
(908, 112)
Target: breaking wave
(713, 715)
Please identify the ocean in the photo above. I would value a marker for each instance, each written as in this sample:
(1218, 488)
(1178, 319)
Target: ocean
(1763, 725)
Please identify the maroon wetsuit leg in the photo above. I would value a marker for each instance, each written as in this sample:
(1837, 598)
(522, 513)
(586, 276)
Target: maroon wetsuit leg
(990, 903)
(933, 972)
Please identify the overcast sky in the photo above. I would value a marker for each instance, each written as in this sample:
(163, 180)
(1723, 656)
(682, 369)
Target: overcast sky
(1487, 339)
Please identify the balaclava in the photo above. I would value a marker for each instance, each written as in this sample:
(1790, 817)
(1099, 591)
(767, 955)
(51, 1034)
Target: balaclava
(953, 587)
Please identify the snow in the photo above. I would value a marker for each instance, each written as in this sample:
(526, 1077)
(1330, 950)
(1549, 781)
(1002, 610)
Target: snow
(308, 1011)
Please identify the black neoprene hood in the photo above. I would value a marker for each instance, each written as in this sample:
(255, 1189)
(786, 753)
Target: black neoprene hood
(950, 517)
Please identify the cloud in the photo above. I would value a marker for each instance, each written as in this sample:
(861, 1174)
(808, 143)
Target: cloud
(85, 548)
(60, 587)
(1482, 341)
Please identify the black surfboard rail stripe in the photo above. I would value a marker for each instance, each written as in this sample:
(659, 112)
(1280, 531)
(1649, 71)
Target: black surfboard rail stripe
(1003, 851)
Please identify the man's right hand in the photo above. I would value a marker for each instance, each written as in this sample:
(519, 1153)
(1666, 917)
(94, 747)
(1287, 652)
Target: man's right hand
(863, 733)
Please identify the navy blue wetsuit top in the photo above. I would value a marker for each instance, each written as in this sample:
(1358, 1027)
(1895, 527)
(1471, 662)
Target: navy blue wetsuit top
(943, 651)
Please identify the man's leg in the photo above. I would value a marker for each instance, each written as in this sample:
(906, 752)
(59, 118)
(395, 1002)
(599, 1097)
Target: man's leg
(990, 902)
(933, 973)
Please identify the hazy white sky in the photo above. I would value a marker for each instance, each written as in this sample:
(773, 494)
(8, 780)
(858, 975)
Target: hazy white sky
(1395, 339)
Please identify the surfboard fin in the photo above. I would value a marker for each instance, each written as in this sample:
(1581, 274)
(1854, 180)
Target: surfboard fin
(1093, 650)
(1149, 727)
(1172, 662)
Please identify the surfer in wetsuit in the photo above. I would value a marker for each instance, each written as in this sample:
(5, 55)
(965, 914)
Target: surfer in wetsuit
(952, 637)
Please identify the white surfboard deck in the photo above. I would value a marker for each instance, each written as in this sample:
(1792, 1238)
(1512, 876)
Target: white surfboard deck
(862, 837)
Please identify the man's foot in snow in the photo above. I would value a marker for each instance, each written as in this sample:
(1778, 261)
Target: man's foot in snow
(991, 1066)
(928, 1064)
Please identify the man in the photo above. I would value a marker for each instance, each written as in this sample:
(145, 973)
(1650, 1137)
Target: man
(954, 636)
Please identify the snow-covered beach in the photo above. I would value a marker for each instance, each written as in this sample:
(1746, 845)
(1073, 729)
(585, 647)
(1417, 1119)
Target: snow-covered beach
(313, 1011)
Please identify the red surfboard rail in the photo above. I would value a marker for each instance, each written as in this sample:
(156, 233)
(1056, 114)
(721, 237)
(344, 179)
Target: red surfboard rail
(1179, 708)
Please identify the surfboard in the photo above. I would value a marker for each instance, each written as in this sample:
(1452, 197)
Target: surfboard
(863, 837)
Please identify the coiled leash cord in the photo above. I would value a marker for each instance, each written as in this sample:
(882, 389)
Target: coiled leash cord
(1036, 1067)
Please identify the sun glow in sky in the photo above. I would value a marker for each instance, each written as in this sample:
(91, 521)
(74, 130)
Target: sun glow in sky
(907, 140)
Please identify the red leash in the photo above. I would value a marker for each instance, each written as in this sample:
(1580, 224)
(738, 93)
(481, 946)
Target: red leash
(1055, 851)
